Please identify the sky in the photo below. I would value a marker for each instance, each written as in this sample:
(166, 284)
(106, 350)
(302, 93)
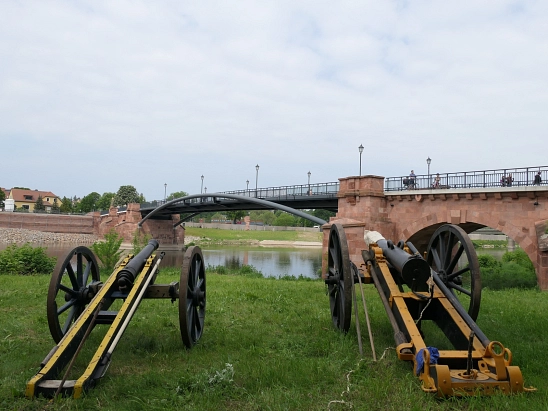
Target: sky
(99, 94)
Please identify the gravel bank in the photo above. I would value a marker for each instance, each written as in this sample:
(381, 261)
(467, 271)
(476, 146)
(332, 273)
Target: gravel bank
(21, 236)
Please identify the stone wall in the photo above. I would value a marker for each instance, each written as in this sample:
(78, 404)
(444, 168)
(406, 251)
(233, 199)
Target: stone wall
(54, 223)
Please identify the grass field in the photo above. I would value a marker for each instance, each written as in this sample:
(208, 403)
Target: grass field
(268, 345)
(217, 235)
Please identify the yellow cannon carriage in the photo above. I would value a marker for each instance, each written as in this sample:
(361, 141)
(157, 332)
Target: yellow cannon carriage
(415, 290)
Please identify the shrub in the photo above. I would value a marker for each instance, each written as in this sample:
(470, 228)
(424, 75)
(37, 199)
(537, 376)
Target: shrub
(26, 260)
(108, 251)
(139, 241)
(515, 271)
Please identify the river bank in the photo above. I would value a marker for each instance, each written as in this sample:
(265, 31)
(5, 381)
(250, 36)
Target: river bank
(22, 236)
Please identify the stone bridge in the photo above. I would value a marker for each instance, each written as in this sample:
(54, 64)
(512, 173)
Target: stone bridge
(519, 212)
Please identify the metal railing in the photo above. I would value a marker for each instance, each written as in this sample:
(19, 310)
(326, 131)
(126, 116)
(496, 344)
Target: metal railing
(288, 192)
(520, 177)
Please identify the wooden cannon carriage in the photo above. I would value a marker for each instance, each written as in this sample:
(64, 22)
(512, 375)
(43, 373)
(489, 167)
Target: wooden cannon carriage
(78, 301)
(438, 289)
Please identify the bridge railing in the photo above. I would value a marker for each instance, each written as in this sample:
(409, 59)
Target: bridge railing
(290, 192)
(469, 179)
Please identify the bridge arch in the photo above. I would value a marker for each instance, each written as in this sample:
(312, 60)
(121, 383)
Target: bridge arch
(169, 207)
(519, 212)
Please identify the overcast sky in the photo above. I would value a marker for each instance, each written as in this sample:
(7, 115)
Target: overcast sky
(99, 94)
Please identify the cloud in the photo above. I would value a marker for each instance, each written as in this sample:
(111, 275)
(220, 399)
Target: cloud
(145, 93)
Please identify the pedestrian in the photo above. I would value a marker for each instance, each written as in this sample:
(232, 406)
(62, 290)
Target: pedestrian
(538, 179)
(503, 181)
(509, 180)
(412, 179)
(436, 181)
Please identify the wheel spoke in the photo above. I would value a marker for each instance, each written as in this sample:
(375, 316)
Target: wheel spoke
(455, 259)
(72, 277)
(66, 306)
(86, 273)
(459, 288)
(68, 290)
(70, 318)
(457, 273)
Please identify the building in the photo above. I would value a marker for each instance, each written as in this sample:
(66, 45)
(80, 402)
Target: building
(26, 199)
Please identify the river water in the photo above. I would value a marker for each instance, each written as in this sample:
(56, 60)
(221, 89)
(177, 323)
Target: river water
(272, 262)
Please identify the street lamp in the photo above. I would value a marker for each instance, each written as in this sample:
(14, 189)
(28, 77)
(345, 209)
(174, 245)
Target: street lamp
(202, 187)
(428, 161)
(165, 192)
(361, 151)
(256, 179)
(205, 190)
(247, 187)
(309, 182)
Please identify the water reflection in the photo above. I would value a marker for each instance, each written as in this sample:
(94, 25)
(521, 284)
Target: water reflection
(272, 262)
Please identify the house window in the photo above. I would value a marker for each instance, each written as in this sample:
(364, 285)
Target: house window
(25, 206)
(27, 197)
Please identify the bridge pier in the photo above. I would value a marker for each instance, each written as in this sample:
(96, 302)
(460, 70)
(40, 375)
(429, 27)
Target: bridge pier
(125, 223)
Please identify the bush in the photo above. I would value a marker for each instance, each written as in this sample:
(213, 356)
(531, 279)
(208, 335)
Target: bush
(139, 241)
(515, 271)
(26, 260)
(108, 251)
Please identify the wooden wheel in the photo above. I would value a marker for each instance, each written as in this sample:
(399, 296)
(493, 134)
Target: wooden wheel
(69, 291)
(452, 255)
(339, 278)
(192, 296)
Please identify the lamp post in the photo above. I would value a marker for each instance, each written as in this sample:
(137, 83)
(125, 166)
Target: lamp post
(205, 190)
(428, 161)
(202, 187)
(309, 173)
(360, 148)
(165, 192)
(256, 179)
(247, 185)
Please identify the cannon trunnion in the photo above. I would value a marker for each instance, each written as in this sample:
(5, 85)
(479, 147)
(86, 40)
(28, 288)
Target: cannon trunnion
(440, 289)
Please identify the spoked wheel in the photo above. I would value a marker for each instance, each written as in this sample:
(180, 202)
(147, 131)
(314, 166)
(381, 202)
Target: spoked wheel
(192, 297)
(339, 278)
(448, 244)
(69, 291)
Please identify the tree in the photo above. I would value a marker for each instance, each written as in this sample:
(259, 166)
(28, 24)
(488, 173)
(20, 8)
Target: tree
(89, 203)
(39, 205)
(105, 201)
(2, 198)
(66, 205)
(176, 194)
(55, 206)
(285, 219)
(108, 251)
(126, 195)
(235, 215)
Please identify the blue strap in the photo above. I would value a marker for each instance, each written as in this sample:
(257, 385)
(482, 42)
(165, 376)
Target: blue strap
(434, 356)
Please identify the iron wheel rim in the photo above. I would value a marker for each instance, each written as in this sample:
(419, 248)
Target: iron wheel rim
(67, 293)
(339, 278)
(192, 296)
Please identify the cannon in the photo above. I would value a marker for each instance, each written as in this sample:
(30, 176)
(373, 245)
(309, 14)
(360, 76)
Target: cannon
(78, 301)
(414, 289)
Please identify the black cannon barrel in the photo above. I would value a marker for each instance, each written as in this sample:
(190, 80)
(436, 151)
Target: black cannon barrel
(413, 269)
(127, 275)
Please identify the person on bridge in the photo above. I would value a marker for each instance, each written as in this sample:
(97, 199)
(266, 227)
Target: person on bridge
(437, 180)
(509, 180)
(538, 179)
(412, 180)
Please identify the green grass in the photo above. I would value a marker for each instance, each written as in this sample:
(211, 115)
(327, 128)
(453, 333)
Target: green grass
(268, 345)
(217, 235)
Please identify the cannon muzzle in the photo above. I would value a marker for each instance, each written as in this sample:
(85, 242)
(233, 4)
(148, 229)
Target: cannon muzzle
(127, 275)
